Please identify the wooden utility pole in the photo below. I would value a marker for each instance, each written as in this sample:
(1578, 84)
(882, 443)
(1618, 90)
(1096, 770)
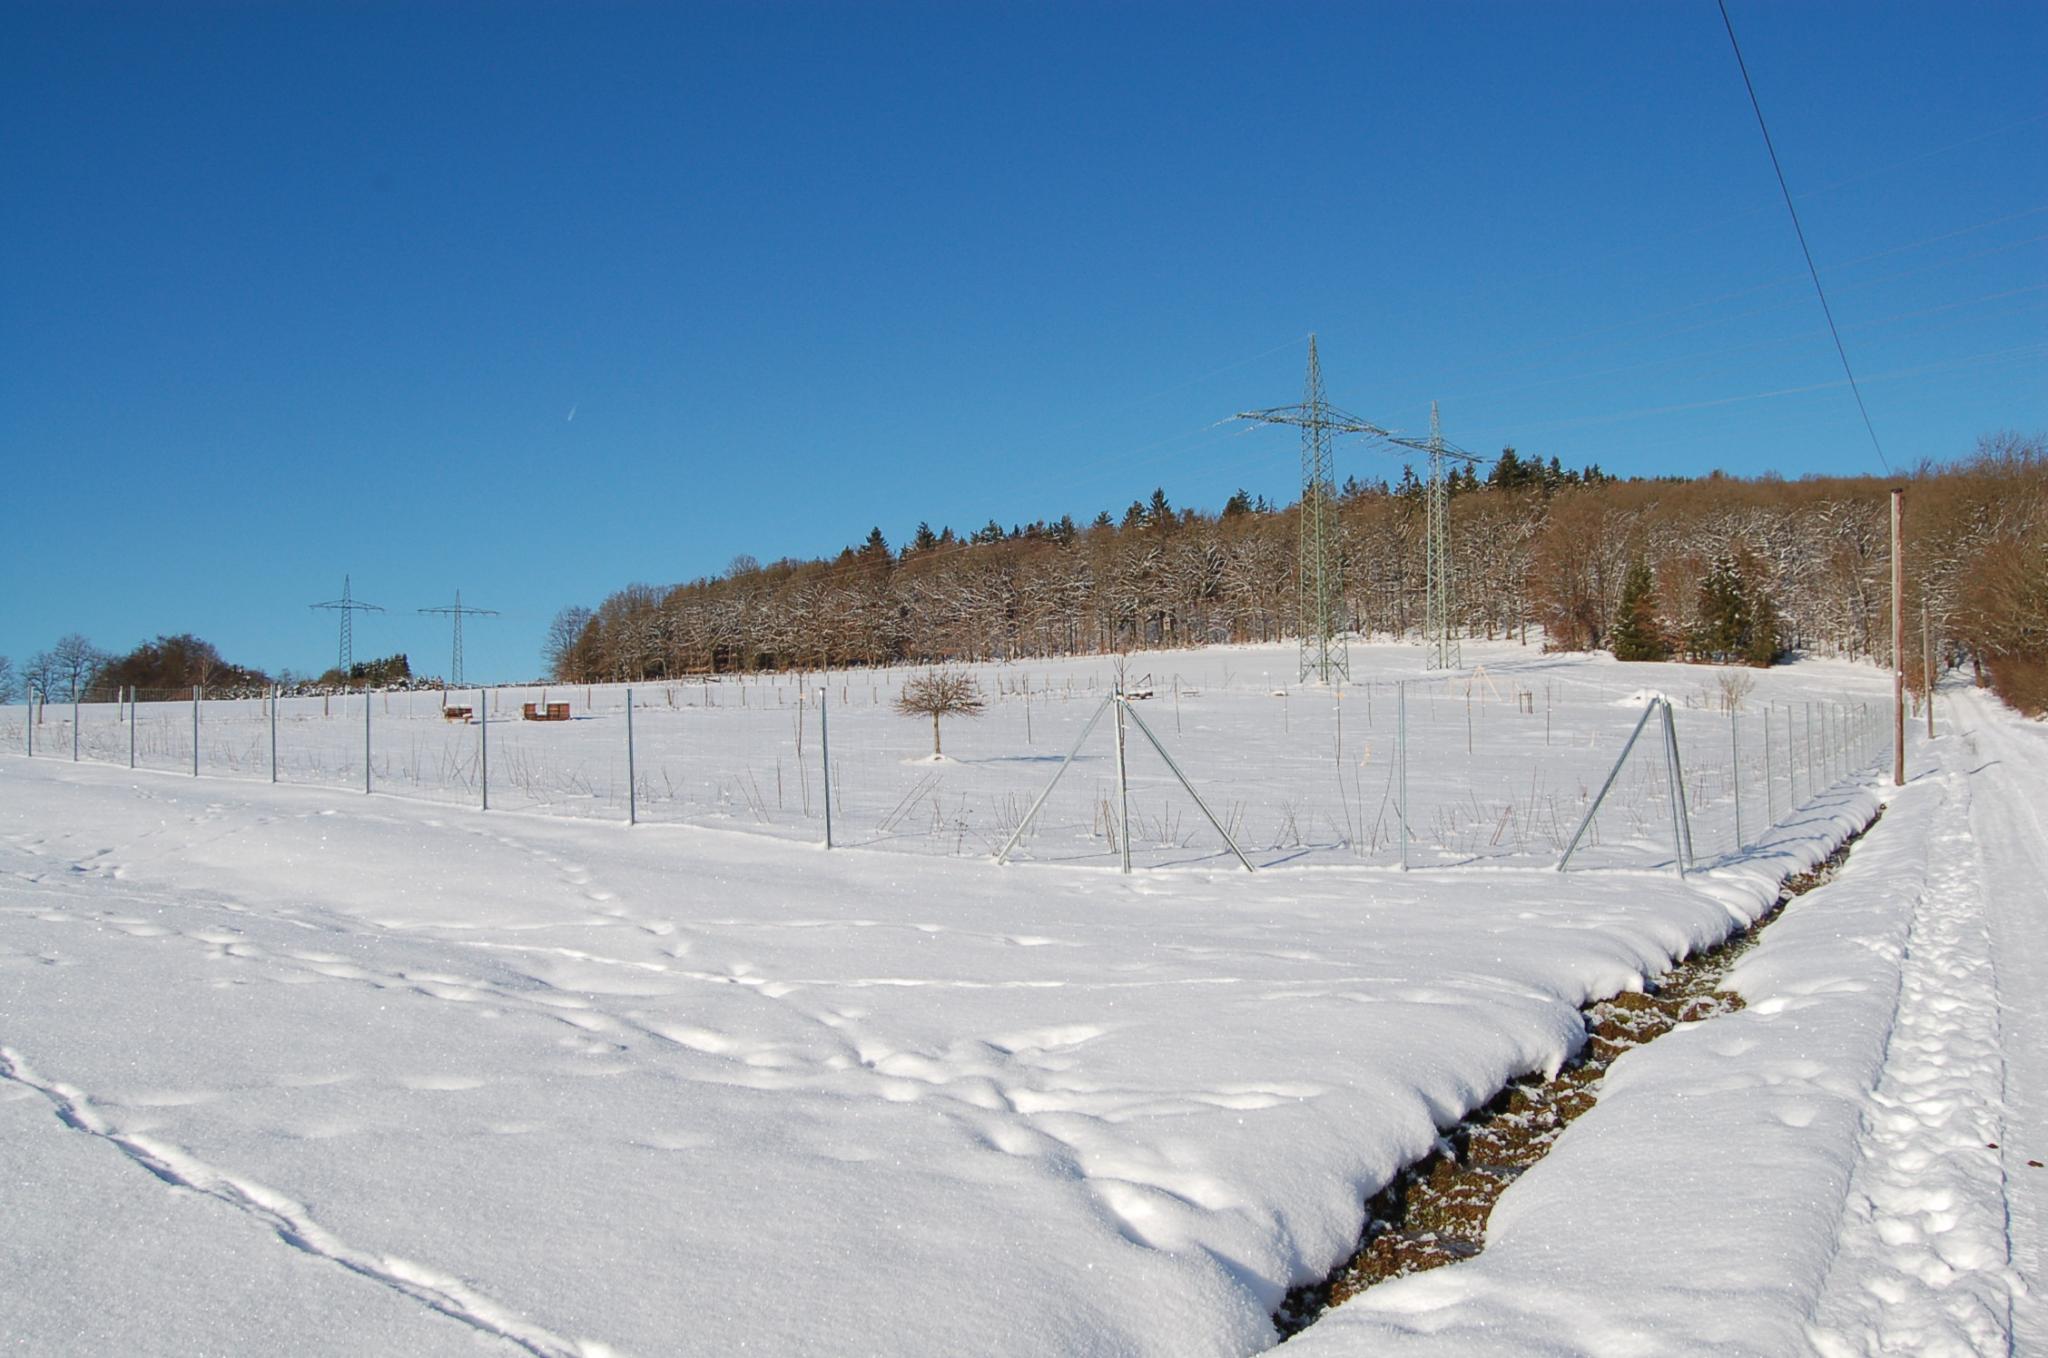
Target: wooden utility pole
(1898, 639)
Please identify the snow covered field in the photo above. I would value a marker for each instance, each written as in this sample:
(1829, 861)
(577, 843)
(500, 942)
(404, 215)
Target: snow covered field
(1502, 760)
(290, 1069)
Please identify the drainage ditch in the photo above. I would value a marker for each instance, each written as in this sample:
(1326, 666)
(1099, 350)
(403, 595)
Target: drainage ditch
(1435, 1211)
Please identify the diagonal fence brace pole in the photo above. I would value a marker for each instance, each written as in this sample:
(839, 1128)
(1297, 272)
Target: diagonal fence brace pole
(1678, 784)
(1032, 814)
(1146, 731)
(1607, 786)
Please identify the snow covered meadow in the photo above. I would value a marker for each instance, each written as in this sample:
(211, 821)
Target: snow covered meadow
(287, 1068)
(1502, 760)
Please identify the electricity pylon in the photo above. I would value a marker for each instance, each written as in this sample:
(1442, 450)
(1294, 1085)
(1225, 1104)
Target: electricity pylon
(456, 610)
(348, 607)
(1319, 559)
(1439, 635)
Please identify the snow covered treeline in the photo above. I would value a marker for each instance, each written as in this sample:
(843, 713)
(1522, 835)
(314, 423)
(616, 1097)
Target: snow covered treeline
(1529, 550)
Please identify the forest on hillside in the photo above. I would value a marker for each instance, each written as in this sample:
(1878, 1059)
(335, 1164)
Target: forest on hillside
(1534, 547)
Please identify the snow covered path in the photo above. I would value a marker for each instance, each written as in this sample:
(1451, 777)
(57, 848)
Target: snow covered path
(1843, 1168)
(1922, 1267)
(2010, 819)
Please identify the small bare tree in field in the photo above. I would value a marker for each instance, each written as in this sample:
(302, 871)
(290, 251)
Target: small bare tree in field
(1735, 687)
(940, 693)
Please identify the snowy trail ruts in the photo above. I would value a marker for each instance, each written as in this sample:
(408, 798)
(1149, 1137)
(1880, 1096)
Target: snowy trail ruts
(294, 1224)
(1922, 1266)
(2010, 759)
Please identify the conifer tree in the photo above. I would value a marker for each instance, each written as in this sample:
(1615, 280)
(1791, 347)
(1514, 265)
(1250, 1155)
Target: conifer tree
(1725, 624)
(1764, 647)
(1636, 634)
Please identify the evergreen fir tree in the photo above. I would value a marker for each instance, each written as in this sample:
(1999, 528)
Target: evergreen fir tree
(1724, 627)
(1636, 634)
(1763, 648)
(1159, 513)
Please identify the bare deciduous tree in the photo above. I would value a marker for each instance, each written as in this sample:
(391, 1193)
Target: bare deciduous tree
(564, 633)
(76, 661)
(6, 679)
(38, 673)
(940, 693)
(1735, 686)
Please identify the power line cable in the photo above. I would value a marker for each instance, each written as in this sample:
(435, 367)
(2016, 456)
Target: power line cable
(1800, 231)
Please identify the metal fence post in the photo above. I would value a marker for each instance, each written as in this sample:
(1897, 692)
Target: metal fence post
(1735, 773)
(1806, 727)
(366, 740)
(1123, 789)
(825, 758)
(28, 730)
(1401, 760)
(483, 743)
(1684, 803)
(275, 691)
(632, 791)
(1671, 780)
(1770, 792)
(74, 726)
(1827, 764)
(1676, 779)
(131, 726)
(195, 730)
(1791, 769)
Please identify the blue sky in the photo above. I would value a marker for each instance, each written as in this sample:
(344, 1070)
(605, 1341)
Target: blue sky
(535, 302)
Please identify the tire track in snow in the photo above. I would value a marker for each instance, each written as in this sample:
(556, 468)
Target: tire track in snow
(1923, 1265)
(294, 1224)
(2012, 837)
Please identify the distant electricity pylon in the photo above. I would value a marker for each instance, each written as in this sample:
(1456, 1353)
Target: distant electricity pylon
(348, 607)
(1440, 638)
(456, 610)
(1320, 569)
(1319, 561)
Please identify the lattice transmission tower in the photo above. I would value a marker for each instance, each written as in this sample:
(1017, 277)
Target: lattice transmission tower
(1319, 561)
(348, 606)
(1440, 642)
(1439, 633)
(457, 610)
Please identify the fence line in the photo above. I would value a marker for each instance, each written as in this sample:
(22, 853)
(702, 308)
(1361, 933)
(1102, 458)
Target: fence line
(1483, 769)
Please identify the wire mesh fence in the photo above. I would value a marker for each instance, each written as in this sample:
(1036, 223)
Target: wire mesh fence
(1465, 769)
